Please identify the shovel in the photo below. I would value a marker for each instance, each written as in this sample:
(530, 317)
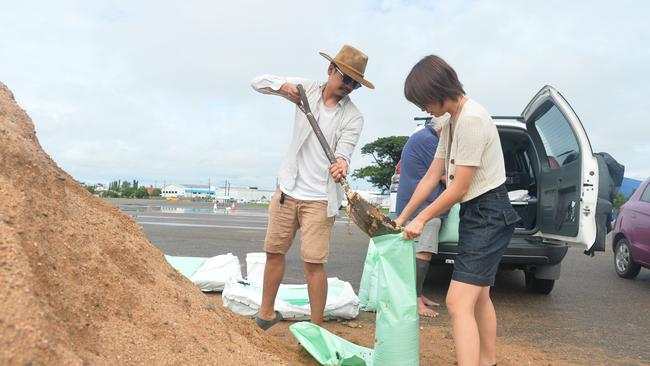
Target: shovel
(367, 217)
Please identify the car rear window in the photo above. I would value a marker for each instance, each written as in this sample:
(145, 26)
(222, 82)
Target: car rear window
(559, 140)
(646, 194)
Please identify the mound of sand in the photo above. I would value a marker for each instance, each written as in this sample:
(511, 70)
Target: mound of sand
(81, 285)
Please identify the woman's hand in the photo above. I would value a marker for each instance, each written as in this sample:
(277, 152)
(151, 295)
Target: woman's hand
(413, 229)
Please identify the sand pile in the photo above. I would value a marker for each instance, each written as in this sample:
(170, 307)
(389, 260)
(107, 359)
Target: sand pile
(81, 285)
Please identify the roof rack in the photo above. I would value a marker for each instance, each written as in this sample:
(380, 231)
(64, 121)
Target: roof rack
(518, 118)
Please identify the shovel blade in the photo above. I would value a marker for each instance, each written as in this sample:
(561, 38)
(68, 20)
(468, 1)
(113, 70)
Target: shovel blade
(368, 217)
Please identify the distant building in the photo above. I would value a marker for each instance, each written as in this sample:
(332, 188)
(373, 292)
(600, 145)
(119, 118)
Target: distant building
(151, 189)
(628, 186)
(246, 194)
(187, 191)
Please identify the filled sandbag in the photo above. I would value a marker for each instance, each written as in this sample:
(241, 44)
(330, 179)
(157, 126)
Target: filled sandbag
(368, 285)
(209, 274)
(292, 301)
(449, 229)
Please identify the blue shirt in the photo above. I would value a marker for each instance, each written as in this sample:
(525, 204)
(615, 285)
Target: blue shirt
(417, 156)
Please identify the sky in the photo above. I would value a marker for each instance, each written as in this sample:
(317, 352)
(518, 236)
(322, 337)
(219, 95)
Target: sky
(159, 91)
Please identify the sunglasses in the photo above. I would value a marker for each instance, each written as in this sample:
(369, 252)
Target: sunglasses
(348, 80)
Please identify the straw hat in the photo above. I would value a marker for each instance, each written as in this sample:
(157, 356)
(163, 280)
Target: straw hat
(351, 62)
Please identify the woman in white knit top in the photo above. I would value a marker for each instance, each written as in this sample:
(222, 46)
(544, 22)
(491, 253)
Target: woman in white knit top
(470, 155)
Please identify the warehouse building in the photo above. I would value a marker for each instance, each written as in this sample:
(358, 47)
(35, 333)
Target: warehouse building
(187, 191)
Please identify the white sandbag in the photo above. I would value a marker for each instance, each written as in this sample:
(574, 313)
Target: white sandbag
(292, 301)
(255, 263)
(216, 272)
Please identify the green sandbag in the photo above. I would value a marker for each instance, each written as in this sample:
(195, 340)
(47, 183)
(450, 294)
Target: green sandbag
(187, 266)
(368, 286)
(329, 349)
(449, 229)
(397, 331)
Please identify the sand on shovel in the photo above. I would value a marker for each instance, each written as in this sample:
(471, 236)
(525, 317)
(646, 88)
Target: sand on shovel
(81, 285)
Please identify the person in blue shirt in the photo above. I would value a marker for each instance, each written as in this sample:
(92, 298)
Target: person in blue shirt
(417, 155)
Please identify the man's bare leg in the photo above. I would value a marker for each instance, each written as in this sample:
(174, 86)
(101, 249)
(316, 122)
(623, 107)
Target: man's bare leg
(461, 302)
(317, 289)
(486, 320)
(428, 302)
(423, 310)
(273, 274)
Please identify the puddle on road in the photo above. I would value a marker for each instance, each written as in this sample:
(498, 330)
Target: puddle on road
(136, 209)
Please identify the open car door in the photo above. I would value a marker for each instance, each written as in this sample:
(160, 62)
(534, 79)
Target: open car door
(568, 177)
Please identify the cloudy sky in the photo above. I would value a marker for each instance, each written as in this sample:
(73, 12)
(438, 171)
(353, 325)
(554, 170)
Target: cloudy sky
(159, 91)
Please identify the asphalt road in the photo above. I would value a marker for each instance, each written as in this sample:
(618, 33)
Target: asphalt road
(590, 310)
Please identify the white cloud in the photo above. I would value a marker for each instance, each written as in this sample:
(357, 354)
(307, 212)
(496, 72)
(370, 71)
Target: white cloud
(160, 90)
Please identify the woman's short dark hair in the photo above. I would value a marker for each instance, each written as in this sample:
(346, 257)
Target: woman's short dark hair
(432, 80)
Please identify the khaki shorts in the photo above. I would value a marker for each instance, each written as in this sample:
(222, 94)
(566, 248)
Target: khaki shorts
(308, 216)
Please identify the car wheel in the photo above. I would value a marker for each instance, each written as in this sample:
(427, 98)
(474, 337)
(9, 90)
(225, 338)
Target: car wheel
(538, 285)
(623, 262)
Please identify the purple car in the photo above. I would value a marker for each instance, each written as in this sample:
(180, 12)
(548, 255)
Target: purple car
(632, 234)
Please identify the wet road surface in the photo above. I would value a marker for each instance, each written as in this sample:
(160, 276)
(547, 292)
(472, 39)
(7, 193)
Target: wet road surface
(590, 312)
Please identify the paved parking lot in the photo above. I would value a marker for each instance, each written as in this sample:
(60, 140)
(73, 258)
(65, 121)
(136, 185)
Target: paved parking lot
(591, 309)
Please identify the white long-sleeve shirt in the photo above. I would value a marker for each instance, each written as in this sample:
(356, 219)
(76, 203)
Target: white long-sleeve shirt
(343, 134)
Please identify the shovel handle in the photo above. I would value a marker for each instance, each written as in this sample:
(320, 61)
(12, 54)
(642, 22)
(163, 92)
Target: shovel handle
(304, 106)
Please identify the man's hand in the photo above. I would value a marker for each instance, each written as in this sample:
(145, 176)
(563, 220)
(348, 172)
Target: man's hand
(339, 170)
(290, 91)
(413, 229)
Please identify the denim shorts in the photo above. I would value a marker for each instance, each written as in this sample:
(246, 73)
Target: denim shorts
(487, 223)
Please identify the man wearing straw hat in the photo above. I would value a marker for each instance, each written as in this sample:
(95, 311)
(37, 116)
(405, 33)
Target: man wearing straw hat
(308, 197)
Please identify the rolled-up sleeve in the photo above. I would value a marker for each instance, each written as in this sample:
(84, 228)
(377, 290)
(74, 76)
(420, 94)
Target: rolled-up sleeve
(349, 139)
(271, 84)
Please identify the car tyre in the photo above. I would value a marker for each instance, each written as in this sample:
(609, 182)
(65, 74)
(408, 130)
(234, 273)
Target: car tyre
(623, 261)
(538, 285)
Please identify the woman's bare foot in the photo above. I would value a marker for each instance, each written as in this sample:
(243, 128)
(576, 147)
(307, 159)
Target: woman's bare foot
(429, 302)
(423, 310)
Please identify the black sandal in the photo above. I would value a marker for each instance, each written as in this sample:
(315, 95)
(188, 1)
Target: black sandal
(266, 324)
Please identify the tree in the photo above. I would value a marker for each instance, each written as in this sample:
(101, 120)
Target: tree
(141, 192)
(386, 151)
(125, 185)
(619, 200)
(156, 192)
(114, 186)
(128, 192)
(89, 188)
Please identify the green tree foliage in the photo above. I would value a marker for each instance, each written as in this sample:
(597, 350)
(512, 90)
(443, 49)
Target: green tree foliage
(619, 200)
(141, 192)
(89, 188)
(125, 185)
(114, 186)
(156, 192)
(386, 151)
(128, 192)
